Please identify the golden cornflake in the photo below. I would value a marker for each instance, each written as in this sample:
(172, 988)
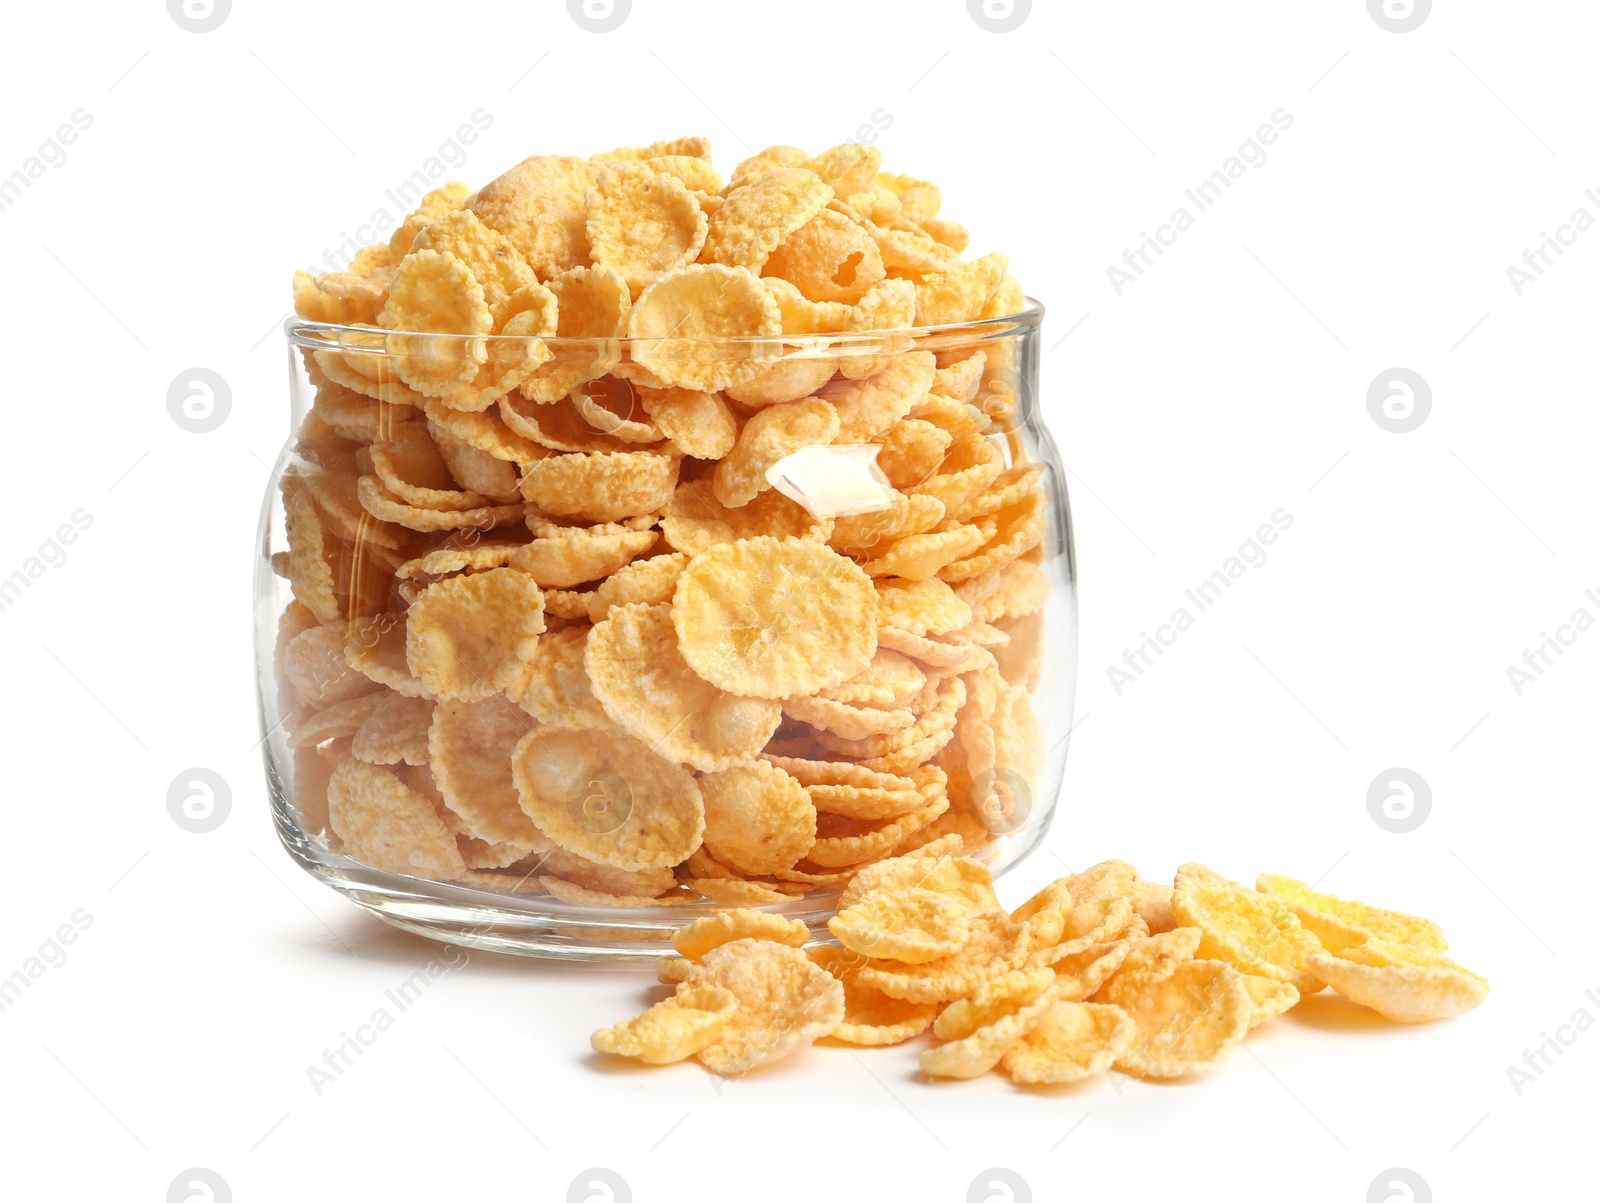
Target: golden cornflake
(470, 745)
(872, 532)
(386, 507)
(1268, 997)
(701, 936)
(992, 1001)
(682, 309)
(873, 1020)
(696, 423)
(1399, 981)
(647, 688)
(409, 464)
(338, 721)
(757, 817)
(434, 205)
(602, 486)
(395, 732)
(758, 216)
(1253, 932)
(960, 294)
(642, 222)
(981, 1050)
(313, 663)
(911, 925)
(572, 556)
(606, 796)
(1339, 923)
(920, 607)
(773, 618)
(734, 891)
(1185, 1022)
(375, 647)
(1071, 1041)
(869, 407)
(592, 314)
(852, 722)
(784, 1002)
(434, 291)
(674, 1028)
(466, 636)
(965, 881)
(830, 258)
(649, 581)
(493, 261)
(694, 520)
(769, 436)
(382, 822)
(994, 945)
(554, 685)
(540, 205)
(845, 841)
(891, 681)
(919, 557)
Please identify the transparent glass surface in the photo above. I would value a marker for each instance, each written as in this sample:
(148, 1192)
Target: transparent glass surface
(410, 778)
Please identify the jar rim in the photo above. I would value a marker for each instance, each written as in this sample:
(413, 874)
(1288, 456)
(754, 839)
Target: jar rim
(323, 336)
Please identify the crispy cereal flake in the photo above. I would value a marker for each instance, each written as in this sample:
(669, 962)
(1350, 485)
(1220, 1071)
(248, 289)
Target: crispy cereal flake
(646, 687)
(604, 795)
(772, 618)
(467, 636)
(673, 1029)
(784, 1002)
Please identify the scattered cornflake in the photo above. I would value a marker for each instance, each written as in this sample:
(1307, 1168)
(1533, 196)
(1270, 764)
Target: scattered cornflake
(925, 943)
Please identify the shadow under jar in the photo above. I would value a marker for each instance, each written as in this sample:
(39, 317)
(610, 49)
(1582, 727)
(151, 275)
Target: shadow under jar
(556, 677)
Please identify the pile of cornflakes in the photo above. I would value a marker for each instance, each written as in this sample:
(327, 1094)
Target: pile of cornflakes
(647, 548)
(1098, 970)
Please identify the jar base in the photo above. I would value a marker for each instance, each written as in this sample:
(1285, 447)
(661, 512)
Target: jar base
(533, 925)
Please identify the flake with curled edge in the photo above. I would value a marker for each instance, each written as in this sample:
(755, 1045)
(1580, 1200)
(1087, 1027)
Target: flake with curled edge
(784, 1002)
(673, 1029)
(994, 945)
(435, 292)
(758, 216)
(1008, 1013)
(869, 406)
(1399, 981)
(1254, 932)
(642, 222)
(1072, 1040)
(700, 937)
(601, 486)
(1340, 923)
(830, 258)
(646, 688)
(911, 925)
(1185, 1022)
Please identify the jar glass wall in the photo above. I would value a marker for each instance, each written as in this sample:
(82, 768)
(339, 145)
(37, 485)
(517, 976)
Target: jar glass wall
(558, 667)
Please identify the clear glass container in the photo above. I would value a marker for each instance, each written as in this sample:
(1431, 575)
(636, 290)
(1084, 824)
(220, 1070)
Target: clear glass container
(503, 701)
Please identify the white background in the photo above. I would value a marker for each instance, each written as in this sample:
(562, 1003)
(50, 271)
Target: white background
(1226, 383)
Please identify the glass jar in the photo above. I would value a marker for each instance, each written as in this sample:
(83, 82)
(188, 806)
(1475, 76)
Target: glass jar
(526, 683)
